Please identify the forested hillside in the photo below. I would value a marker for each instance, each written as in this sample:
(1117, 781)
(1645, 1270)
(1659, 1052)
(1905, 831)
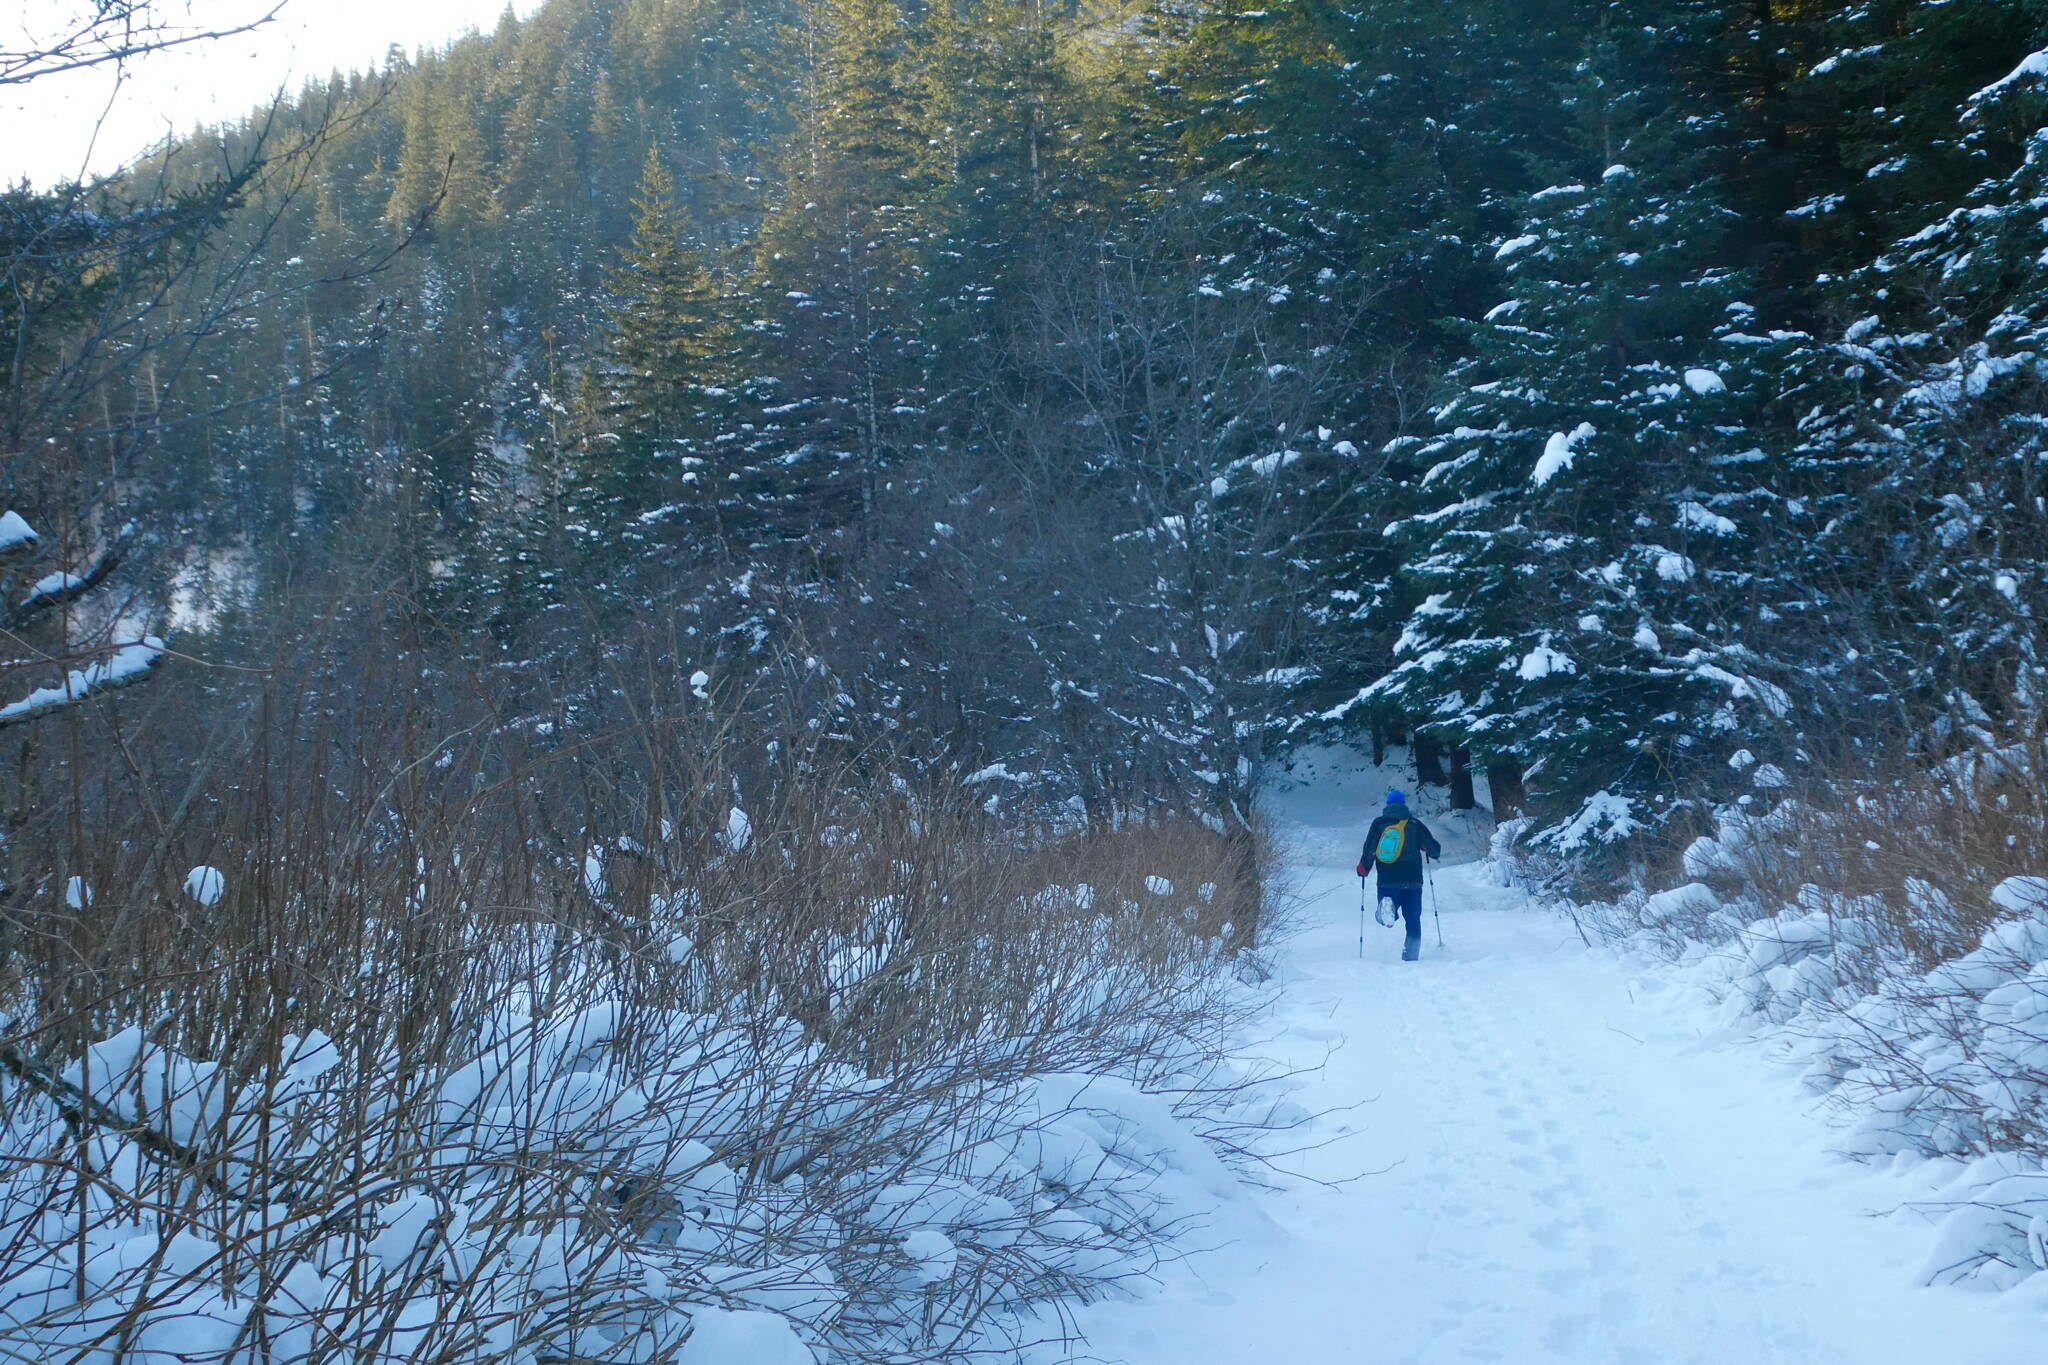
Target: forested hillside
(1630, 396)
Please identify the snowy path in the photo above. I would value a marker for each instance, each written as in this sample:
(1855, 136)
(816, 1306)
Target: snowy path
(1558, 1170)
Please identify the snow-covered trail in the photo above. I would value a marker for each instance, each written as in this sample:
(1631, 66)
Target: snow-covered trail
(1549, 1166)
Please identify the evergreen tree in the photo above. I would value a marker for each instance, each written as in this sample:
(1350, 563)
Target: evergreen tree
(1587, 574)
(660, 389)
(1359, 161)
(841, 255)
(1950, 502)
(1850, 115)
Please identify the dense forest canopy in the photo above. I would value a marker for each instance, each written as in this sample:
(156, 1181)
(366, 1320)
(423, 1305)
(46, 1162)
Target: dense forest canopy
(1631, 400)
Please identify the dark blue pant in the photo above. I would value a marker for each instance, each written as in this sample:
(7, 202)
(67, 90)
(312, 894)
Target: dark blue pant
(1407, 900)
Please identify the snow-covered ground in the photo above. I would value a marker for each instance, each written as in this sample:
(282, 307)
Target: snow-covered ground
(1530, 1156)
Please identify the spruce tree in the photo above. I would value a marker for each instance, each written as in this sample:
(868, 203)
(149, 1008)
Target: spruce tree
(659, 391)
(841, 254)
(1588, 597)
(1950, 500)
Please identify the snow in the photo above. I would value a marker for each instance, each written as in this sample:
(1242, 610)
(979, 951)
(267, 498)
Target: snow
(53, 585)
(1529, 1153)
(1696, 517)
(933, 1253)
(1060, 1178)
(15, 532)
(1514, 244)
(1542, 661)
(1266, 465)
(2022, 895)
(1606, 817)
(1558, 452)
(1704, 382)
(127, 664)
(205, 885)
(1673, 567)
(2032, 70)
(741, 1336)
(739, 830)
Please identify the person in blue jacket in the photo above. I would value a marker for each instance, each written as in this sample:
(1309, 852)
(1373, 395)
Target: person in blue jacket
(1394, 849)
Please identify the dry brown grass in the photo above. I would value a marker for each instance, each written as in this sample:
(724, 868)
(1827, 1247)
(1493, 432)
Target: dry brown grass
(1916, 844)
(416, 851)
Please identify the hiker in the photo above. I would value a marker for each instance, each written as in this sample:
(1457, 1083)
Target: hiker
(1395, 847)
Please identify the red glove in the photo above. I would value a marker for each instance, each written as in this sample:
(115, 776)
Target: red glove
(1361, 869)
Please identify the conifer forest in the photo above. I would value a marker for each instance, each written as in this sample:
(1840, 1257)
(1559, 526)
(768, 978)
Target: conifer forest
(647, 655)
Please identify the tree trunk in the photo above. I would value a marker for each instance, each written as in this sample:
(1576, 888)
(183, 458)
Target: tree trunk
(1461, 780)
(1429, 762)
(1504, 779)
(1379, 744)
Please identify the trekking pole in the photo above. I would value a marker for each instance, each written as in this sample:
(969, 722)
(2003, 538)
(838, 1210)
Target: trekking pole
(1361, 918)
(1430, 877)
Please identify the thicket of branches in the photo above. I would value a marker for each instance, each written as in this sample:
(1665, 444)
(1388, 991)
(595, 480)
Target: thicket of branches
(362, 1005)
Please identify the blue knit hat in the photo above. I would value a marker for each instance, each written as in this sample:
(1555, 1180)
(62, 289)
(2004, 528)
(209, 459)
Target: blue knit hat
(1396, 797)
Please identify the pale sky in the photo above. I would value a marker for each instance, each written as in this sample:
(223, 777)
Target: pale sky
(92, 122)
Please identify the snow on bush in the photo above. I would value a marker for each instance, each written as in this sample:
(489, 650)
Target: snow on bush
(206, 885)
(600, 1042)
(614, 1184)
(1995, 1232)
(15, 532)
(128, 663)
(1924, 1020)
(883, 1110)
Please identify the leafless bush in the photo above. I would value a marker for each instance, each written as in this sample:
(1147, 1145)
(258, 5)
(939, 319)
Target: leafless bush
(511, 1025)
(1893, 922)
(1915, 847)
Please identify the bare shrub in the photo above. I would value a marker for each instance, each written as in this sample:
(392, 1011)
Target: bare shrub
(516, 1023)
(1911, 848)
(1894, 922)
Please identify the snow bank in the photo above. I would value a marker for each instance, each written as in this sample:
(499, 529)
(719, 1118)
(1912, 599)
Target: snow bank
(1949, 1062)
(606, 1184)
